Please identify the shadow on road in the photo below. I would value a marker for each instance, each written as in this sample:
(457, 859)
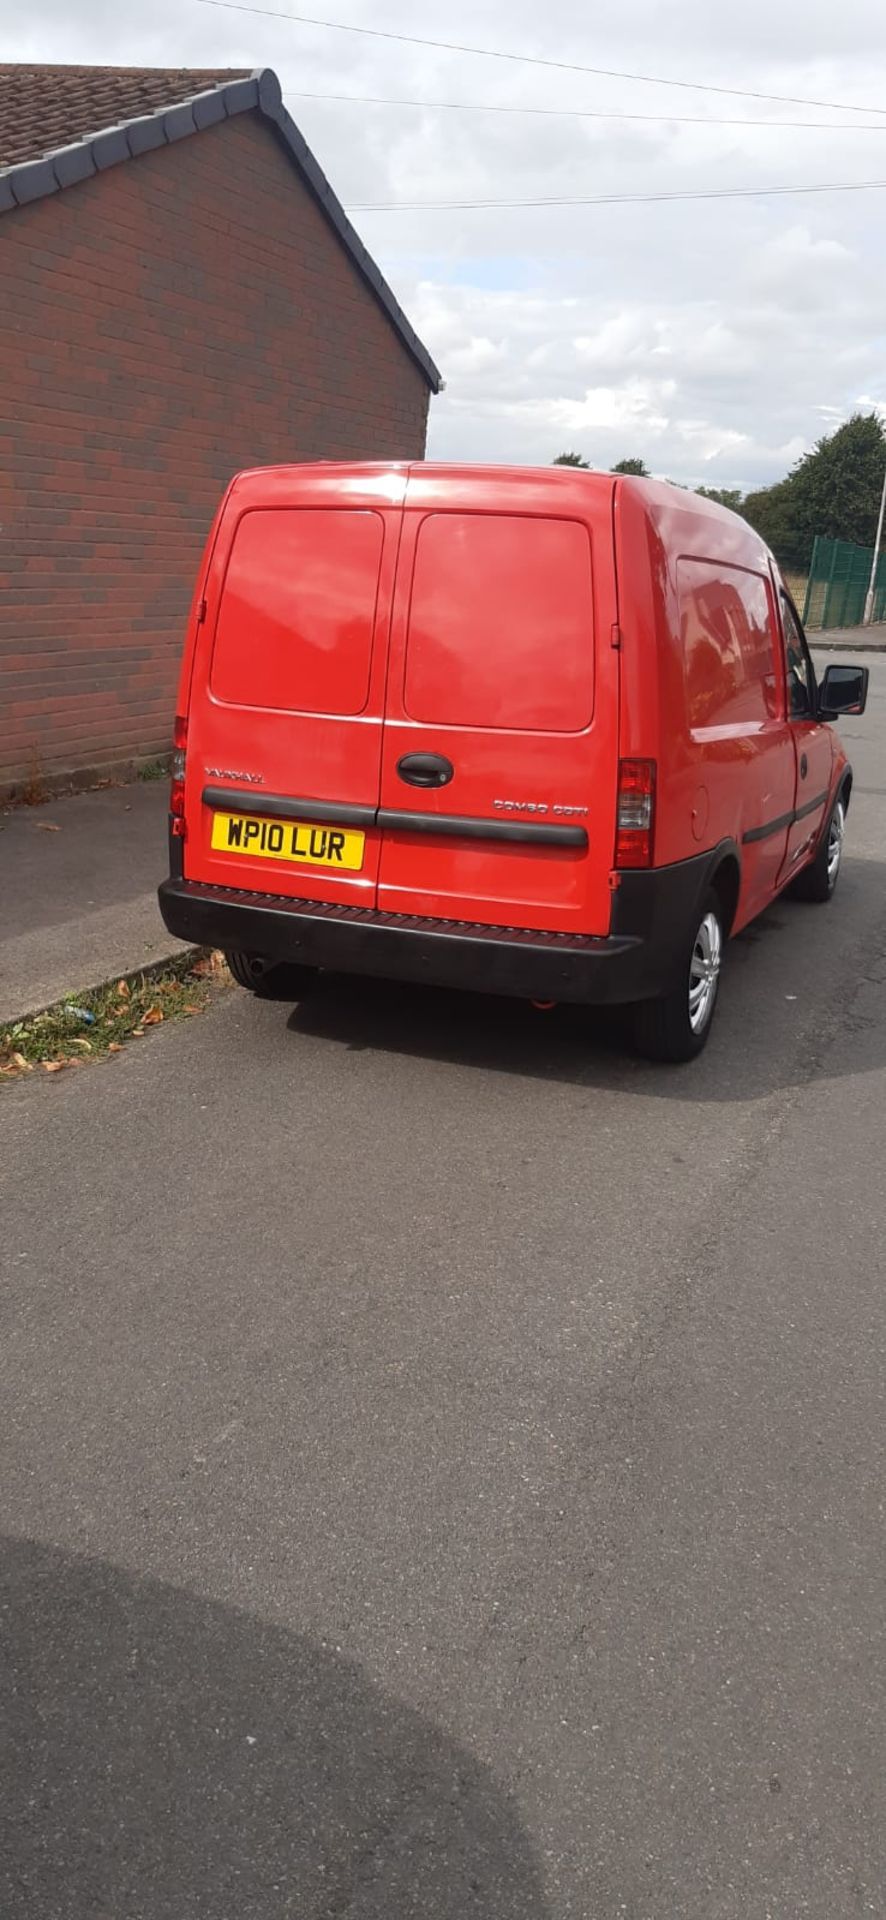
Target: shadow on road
(781, 961)
(170, 1757)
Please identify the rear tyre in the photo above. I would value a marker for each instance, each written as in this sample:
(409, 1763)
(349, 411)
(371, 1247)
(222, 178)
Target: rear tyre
(677, 1027)
(818, 881)
(270, 980)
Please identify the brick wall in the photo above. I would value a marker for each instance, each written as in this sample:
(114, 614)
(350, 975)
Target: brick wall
(163, 324)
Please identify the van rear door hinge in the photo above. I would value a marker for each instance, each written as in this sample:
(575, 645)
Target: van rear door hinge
(201, 613)
(616, 636)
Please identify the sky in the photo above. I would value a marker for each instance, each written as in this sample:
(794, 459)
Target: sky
(716, 339)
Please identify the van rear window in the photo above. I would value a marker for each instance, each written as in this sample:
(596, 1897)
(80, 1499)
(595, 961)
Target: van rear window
(501, 623)
(729, 651)
(295, 624)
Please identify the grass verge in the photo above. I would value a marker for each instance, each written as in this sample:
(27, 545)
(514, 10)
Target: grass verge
(88, 1026)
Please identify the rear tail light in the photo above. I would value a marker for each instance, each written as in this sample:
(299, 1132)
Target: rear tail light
(177, 791)
(636, 813)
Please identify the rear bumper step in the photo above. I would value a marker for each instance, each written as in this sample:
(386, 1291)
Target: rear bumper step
(654, 917)
(446, 953)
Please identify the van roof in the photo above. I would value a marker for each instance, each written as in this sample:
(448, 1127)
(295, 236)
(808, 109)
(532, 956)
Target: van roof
(501, 473)
(659, 497)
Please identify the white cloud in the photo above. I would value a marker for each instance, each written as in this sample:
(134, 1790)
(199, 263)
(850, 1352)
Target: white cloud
(476, 355)
(635, 405)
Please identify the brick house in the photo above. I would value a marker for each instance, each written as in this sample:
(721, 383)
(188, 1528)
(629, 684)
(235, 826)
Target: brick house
(181, 295)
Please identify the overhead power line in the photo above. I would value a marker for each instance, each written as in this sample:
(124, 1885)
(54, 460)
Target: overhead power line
(535, 60)
(584, 113)
(609, 199)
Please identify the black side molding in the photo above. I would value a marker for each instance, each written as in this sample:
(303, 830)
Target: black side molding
(282, 807)
(784, 820)
(464, 827)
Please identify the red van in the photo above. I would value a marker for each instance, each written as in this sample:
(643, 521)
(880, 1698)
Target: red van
(534, 731)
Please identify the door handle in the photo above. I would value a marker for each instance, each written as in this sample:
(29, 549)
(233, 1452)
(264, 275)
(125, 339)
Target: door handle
(425, 769)
(804, 766)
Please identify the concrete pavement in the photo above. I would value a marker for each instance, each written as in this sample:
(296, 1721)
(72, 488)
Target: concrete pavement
(444, 1456)
(78, 892)
(860, 640)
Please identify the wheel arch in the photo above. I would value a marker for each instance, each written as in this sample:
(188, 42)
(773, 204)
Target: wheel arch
(724, 875)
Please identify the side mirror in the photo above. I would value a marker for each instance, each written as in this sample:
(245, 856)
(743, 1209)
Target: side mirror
(843, 690)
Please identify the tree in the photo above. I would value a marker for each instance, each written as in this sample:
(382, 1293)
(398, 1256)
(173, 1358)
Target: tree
(570, 460)
(834, 490)
(633, 465)
(725, 496)
(771, 511)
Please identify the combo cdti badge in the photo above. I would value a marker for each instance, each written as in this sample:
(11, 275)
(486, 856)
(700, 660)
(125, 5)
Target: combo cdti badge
(533, 731)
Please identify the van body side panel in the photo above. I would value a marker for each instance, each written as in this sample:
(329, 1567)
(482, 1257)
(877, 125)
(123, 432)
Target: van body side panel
(735, 711)
(502, 667)
(699, 622)
(287, 692)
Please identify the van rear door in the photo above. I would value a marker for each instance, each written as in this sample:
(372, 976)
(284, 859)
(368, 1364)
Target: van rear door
(287, 690)
(500, 748)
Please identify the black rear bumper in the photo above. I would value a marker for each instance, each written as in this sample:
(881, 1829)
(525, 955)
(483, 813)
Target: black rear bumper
(642, 957)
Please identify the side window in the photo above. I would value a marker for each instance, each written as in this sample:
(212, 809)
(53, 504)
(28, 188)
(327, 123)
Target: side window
(730, 646)
(799, 667)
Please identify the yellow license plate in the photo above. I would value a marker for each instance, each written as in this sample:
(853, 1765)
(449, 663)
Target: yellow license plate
(296, 840)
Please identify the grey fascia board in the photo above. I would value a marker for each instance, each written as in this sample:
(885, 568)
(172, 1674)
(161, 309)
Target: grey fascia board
(32, 181)
(73, 164)
(109, 147)
(208, 109)
(147, 134)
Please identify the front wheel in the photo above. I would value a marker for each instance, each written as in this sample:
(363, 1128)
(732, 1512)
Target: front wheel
(818, 880)
(271, 980)
(676, 1028)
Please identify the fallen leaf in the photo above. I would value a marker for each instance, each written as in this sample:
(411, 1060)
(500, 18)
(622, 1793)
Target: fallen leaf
(53, 1066)
(217, 961)
(24, 1066)
(46, 826)
(76, 1041)
(138, 1033)
(123, 989)
(190, 1007)
(153, 1017)
(114, 1046)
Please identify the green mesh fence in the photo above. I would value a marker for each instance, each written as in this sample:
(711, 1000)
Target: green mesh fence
(839, 577)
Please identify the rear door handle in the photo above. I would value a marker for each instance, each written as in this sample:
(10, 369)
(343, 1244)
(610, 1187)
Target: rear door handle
(425, 769)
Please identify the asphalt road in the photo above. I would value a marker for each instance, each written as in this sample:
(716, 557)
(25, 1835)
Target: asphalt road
(444, 1457)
